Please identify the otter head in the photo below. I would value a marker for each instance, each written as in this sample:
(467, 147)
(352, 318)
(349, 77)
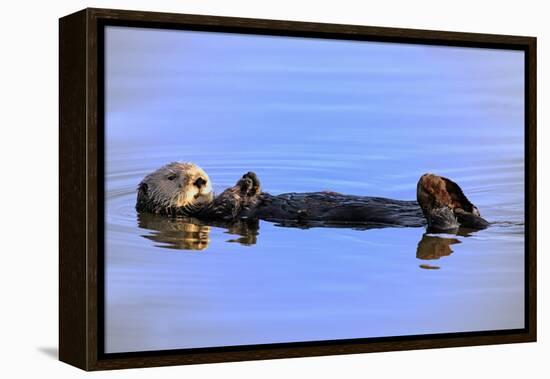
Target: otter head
(177, 188)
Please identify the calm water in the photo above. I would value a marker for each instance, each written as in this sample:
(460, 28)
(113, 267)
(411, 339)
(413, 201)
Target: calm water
(309, 115)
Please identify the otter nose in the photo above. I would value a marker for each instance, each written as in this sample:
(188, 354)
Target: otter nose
(200, 182)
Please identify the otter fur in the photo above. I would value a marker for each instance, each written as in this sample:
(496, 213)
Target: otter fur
(441, 203)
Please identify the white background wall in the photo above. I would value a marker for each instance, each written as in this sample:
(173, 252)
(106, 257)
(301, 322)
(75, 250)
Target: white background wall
(29, 175)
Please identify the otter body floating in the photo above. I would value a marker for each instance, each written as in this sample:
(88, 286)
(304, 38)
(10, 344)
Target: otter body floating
(183, 189)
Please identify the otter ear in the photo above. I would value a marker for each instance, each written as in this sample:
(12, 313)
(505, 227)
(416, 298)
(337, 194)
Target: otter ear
(142, 197)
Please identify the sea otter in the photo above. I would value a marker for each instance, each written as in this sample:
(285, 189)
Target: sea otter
(184, 189)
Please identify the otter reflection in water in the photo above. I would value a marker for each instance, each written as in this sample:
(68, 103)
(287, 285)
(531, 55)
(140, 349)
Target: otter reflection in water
(187, 233)
(432, 247)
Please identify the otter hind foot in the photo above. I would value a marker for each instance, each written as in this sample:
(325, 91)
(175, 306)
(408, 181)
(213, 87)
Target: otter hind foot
(445, 206)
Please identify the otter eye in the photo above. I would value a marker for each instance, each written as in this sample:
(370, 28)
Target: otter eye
(171, 177)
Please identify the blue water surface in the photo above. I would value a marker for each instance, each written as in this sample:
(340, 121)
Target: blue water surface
(307, 115)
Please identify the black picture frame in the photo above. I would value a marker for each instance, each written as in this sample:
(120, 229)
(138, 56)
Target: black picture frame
(81, 184)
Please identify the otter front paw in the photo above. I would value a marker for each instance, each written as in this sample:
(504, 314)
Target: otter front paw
(249, 184)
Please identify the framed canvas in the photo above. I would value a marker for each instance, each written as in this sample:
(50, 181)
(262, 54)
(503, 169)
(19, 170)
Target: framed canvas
(240, 189)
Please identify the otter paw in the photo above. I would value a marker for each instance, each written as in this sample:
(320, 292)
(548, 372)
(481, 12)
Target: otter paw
(249, 184)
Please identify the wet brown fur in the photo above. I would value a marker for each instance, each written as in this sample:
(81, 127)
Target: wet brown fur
(435, 191)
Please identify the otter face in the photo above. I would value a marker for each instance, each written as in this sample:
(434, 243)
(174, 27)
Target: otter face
(182, 186)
